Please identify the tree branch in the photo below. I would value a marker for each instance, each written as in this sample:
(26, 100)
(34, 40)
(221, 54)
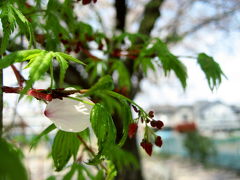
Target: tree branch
(209, 21)
(121, 11)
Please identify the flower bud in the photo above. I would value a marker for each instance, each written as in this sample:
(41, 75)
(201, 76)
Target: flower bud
(69, 115)
(151, 114)
(153, 123)
(132, 129)
(159, 124)
(158, 141)
(147, 146)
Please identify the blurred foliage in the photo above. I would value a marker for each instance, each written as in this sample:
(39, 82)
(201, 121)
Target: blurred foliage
(199, 147)
(11, 166)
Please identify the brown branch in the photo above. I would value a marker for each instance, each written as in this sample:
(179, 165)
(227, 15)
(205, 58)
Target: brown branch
(121, 11)
(18, 75)
(43, 94)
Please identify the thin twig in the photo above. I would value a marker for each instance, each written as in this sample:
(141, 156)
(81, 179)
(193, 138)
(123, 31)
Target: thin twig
(18, 75)
(89, 149)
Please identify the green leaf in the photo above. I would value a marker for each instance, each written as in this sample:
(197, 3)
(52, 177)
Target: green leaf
(63, 68)
(104, 83)
(212, 70)
(70, 58)
(9, 17)
(8, 24)
(27, 25)
(126, 116)
(69, 175)
(65, 146)
(104, 130)
(121, 97)
(11, 166)
(171, 62)
(168, 60)
(19, 56)
(37, 139)
(123, 74)
(145, 64)
(102, 125)
(39, 65)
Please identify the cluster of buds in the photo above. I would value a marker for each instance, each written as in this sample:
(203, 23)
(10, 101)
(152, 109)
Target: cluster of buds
(147, 145)
(150, 137)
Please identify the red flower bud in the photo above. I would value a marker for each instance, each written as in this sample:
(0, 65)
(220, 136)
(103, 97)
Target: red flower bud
(153, 123)
(147, 146)
(132, 129)
(158, 141)
(159, 124)
(151, 114)
(84, 2)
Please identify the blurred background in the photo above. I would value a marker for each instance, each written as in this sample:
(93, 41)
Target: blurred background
(201, 138)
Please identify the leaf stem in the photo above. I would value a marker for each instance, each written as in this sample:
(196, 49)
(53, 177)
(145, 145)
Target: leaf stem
(76, 99)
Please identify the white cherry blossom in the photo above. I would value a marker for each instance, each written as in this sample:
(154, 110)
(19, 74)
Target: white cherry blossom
(68, 114)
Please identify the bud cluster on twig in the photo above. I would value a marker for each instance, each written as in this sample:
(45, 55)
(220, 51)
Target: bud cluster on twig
(150, 137)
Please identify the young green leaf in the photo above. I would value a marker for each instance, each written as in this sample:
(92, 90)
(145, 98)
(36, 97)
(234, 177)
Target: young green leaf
(212, 70)
(39, 65)
(103, 125)
(9, 17)
(126, 115)
(168, 60)
(70, 58)
(63, 68)
(19, 56)
(37, 139)
(65, 146)
(27, 25)
(171, 62)
(8, 24)
(104, 83)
